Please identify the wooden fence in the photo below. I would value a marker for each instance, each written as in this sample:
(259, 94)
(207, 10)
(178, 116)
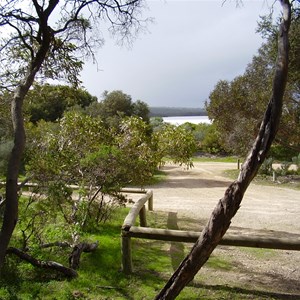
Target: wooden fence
(257, 239)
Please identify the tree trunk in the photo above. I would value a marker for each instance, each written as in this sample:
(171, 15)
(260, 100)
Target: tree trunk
(228, 206)
(74, 258)
(11, 196)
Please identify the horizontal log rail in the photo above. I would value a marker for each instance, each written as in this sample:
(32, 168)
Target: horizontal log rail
(255, 240)
(240, 238)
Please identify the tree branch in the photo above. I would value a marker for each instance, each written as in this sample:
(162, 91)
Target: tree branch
(69, 272)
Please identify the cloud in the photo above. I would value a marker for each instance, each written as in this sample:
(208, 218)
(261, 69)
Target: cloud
(191, 45)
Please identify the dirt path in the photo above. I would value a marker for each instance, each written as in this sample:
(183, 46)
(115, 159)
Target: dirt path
(194, 193)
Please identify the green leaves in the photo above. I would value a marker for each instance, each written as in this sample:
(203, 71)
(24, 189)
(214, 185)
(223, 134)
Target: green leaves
(176, 144)
(237, 107)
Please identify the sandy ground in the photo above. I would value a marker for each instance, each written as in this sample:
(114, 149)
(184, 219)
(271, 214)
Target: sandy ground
(194, 193)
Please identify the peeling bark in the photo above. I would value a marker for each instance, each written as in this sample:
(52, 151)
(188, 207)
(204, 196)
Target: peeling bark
(228, 206)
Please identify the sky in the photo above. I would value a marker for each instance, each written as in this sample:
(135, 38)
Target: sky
(189, 47)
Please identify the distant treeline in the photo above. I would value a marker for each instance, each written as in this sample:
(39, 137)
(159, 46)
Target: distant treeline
(176, 111)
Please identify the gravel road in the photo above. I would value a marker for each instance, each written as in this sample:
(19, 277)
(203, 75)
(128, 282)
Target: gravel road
(194, 193)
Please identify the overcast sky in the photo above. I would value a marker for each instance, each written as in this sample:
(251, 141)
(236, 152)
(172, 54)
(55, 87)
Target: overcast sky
(190, 47)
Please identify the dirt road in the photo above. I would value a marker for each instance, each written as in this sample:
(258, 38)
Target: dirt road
(194, 193)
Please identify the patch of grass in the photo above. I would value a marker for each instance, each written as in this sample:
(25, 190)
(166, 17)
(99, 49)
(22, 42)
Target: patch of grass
(219, 263)
(100, 275)
(158, 177)
(231, 174)
(259, 253)
(229, 159)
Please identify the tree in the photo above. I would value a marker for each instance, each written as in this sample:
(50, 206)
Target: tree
(227, 207)
(141, 109)
(49, 102)
(5, 132)
(79, 150)
(236, 107)
(176, 144)
(115, 106)
(33, 46)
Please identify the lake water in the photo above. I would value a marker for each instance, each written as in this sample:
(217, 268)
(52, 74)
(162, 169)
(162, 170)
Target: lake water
(183, 119)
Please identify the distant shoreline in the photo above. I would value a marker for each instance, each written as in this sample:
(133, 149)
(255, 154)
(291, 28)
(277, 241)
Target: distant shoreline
(176, 111)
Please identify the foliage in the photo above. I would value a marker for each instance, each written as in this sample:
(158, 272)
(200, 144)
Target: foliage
(81, 151)
(176, 144)
(115, 106)
(49, 102)
(284, 169)
(208, 139)
(266, 167)
(237, 106)
(156, 123)
(296, 162)
(49, 39)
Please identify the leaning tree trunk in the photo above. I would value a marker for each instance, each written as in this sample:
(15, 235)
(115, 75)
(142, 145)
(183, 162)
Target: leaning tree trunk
(228, 206)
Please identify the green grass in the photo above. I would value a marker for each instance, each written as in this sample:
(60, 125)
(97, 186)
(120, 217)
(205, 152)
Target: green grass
(100, 275)
(259, 253)
(225, 159)
(158, 177)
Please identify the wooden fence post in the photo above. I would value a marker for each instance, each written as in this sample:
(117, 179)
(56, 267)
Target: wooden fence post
(150, 202)
(126, 255)
(143, 217)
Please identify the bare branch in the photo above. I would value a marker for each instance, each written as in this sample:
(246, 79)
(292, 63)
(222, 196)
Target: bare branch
(69, 272)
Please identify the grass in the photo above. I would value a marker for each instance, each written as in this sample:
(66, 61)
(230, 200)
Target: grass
(225, 159)
(259, 253)
(100, 275)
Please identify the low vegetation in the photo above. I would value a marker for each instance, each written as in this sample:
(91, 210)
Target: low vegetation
(100, 276)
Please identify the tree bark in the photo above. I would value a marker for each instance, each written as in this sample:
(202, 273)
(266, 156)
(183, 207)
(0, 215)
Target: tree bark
(11, 196)
(74, 258)
(228, 206)
(69, 272)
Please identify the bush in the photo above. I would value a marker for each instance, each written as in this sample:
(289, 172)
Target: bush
(266, 168)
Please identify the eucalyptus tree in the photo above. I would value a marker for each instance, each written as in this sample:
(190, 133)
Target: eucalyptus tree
(50, 39)
(237, 106)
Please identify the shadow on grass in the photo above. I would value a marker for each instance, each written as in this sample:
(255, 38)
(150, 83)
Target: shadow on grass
(176, 249)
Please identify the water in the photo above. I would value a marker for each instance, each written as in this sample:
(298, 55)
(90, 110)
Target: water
(183, 119)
